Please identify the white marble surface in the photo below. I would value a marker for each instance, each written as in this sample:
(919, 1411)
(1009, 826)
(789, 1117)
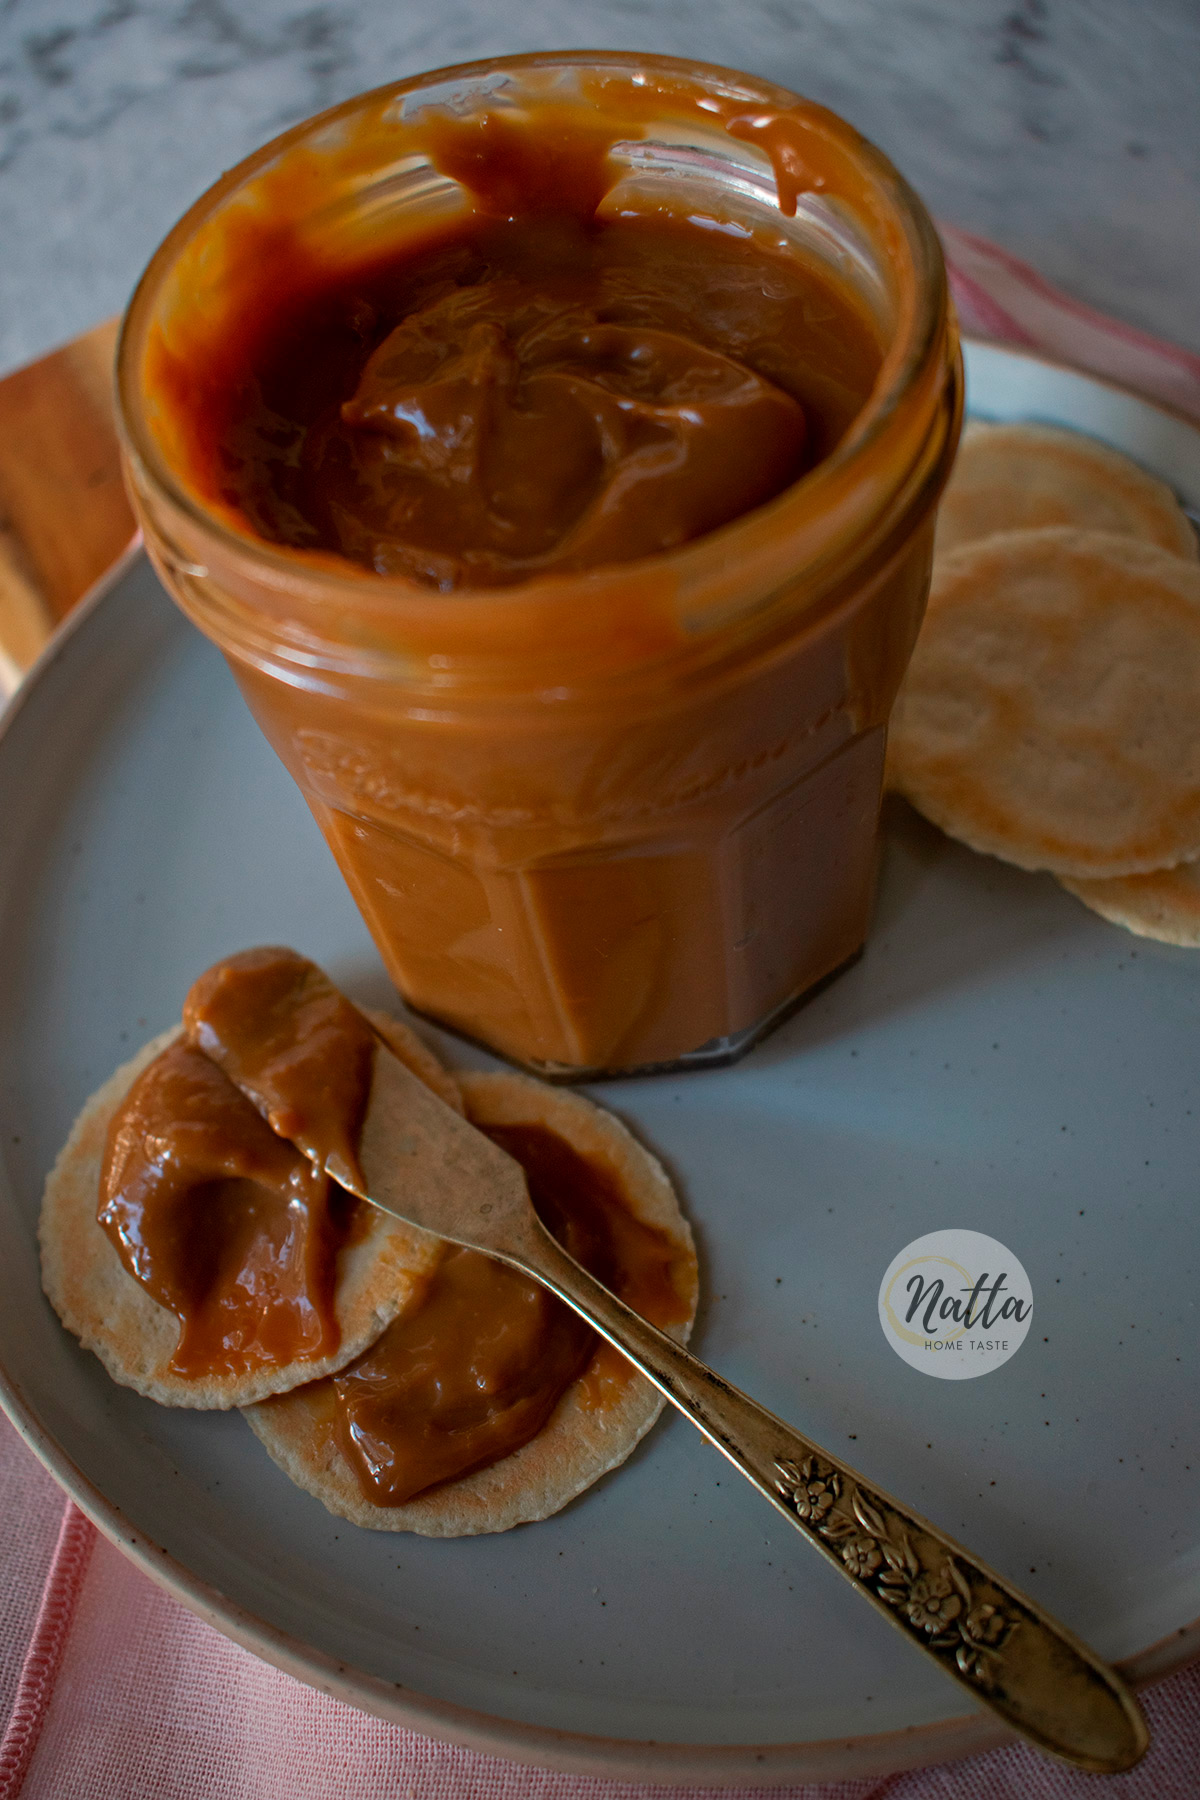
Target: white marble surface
(1069, 130)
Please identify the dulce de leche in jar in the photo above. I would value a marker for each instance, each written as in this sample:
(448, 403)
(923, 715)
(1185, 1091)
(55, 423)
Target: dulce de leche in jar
(552, 446)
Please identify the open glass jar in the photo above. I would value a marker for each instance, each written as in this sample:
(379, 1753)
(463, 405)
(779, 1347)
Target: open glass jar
(615, 818)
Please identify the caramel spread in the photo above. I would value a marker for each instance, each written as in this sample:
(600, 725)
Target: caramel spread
(539, 389)
(551, 397)
(293, 1044)
(225, 1224)
(205, 1191)
(475, 1370)
(228, 1225)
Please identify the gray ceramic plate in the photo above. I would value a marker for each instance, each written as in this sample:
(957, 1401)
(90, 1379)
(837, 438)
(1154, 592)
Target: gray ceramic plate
(999, 1059)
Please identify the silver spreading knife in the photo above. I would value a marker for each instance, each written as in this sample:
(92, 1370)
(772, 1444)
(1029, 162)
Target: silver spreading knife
(423, 1163)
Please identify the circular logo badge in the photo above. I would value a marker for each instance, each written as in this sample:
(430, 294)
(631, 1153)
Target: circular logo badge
(955, 1304)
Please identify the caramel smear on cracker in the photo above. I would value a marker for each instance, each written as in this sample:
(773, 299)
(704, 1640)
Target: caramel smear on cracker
(1164, 904)
(1050, 713)
(135, 1338)
(1028, 477)
(600, 1417)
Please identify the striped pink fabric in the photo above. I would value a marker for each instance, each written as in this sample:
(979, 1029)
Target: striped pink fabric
(999, 297)
(39, 1670)
(112, 1691)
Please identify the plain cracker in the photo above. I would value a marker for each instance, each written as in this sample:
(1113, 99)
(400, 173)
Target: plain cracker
(112, 1314)
(1027, 477)
(1165, 904)
(582, 1440)
(1049, 715)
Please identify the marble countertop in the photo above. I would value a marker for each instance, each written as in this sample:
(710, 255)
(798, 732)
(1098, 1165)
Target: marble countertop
(1068, 130)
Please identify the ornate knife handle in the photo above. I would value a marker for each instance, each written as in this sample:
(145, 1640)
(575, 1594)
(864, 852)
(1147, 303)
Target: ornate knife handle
(989, 1637)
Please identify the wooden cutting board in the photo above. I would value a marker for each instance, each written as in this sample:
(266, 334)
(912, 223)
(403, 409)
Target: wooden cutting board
(64, 517)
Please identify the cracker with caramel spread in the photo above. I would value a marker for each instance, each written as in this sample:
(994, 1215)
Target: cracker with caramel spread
(601, 1415)
(135, 1338)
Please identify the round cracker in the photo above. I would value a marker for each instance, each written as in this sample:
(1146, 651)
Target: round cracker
(1049, 714)
(1027, 477)
(112, 1315)
(601, 1416)
(1164, 904)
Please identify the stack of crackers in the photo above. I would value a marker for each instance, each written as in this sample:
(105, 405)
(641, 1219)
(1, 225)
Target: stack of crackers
(1051, 712)
(382, 1272)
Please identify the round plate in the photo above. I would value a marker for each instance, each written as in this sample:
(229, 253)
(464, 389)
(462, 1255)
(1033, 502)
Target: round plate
(999, 1059)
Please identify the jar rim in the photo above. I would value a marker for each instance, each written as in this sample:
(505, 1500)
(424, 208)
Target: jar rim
(317, 577)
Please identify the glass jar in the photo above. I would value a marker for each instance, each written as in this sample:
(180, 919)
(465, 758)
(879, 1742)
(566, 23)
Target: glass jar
(612, 820)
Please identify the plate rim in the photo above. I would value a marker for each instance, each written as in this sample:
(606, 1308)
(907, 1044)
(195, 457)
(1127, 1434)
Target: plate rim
(536, 1746)
(1022, 353)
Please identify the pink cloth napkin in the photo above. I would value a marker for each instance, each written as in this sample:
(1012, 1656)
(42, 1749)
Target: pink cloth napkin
(999, 297)
(112, 1691)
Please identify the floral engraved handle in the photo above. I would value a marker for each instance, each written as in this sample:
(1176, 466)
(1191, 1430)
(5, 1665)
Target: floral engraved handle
(933, 1599)
(1002, 1648)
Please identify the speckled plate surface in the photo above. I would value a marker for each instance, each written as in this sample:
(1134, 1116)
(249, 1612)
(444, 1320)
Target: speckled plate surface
(999, 1059)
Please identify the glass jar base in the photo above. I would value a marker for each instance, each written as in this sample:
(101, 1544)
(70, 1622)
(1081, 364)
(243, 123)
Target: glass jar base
(714, 1055)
